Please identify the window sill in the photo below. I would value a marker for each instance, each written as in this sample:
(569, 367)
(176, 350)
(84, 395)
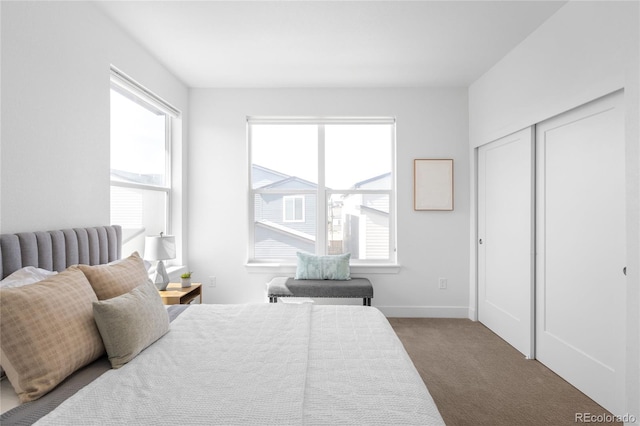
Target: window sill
(173, 271)
(176, 270)
(290, 268)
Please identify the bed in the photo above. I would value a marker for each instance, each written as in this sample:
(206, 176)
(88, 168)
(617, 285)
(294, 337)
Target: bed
(255, 364)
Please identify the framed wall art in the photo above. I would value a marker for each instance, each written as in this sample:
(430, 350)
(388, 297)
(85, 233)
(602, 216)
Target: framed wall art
(432, 184)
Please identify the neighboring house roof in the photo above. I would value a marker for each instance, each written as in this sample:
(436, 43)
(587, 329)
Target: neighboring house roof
(371, 180)
(274, 179)
(286, 230)
(372, 210)
(290, 182)
(266, 175)
(121, 175)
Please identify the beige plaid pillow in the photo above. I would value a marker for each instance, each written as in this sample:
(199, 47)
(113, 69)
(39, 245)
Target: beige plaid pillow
(116, 278)
(47, 332)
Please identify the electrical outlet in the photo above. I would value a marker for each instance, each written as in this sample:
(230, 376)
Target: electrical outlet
(212, 281)
(442, 283)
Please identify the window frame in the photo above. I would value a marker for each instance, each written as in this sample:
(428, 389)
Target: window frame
(323, 193)
(126, 86)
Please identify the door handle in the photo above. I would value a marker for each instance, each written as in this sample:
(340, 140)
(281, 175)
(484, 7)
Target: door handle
(624, 271)
(480, 242)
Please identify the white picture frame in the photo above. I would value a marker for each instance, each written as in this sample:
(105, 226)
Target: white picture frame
(433, 184)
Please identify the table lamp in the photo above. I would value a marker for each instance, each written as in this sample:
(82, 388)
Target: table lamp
(160, 248)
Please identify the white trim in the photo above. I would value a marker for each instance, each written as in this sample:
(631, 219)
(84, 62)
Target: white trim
(473, 314)
(251, 195)
(321, 208)
(393, 224)
(122, 80)
(168, 147)
(134, 185)
(358, 191)
(319, 120)
(423, 311)
(284, 192)
(294, 191)
(289, 269)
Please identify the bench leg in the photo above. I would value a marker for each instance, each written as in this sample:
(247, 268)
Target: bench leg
(366, 301)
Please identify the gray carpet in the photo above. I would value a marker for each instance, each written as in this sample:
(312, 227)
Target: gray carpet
(476, 378)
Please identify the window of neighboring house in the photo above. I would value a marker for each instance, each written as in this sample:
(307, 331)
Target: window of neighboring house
(322, 186)
(293, 208)
(140, 162)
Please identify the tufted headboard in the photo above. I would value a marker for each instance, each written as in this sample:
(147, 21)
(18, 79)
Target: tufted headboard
(57, 250)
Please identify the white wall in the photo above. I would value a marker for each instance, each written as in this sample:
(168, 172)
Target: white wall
(430, 123)
(584, 51)
(54, 168)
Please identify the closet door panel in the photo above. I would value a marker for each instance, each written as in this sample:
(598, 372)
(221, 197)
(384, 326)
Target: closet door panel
(580, 287)
(505, 239)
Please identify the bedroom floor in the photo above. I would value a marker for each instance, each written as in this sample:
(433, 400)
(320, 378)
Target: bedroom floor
(476, 378)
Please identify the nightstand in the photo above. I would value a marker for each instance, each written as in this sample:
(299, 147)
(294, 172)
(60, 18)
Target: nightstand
(175, 294)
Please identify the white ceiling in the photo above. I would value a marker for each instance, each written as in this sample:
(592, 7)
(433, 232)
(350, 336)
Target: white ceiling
(329, 43)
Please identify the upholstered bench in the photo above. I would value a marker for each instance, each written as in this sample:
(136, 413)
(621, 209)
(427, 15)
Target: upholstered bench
(290, 287)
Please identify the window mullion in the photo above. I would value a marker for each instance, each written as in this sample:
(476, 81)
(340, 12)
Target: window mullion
(168, 177)
(251, 196)
(321, 204)
(393, 254)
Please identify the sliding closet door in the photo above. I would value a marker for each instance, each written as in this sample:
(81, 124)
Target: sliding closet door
(505, 239)
(580, 286)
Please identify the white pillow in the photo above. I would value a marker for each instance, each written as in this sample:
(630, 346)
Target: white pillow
(25, 276)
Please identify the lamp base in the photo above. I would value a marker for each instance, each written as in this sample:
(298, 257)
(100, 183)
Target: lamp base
(160, 277)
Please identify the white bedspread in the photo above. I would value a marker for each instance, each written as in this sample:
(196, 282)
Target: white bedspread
(262, 364)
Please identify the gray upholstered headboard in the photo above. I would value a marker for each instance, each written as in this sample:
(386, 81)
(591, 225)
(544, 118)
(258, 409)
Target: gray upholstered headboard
(57, 250)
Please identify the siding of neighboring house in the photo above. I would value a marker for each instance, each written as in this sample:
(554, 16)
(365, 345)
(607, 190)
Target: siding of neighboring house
(378, 202)
(270, 207)
(371, 238)
(274, 237)
(367, 215)
(365, 233)
(377, 233)
(273, 243)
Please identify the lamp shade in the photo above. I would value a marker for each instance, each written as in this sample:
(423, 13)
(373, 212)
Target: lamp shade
(160, 247)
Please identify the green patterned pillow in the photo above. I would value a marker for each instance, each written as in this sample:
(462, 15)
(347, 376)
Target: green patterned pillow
(131, 322)
(312, 267)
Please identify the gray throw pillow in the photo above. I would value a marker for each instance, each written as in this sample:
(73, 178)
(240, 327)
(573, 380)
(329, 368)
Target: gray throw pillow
(131, 322)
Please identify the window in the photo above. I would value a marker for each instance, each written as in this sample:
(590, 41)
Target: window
(293, 208)
(140, 161)
(322, 186)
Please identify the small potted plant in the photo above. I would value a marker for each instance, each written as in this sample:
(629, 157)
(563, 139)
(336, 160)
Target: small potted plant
(186, 279)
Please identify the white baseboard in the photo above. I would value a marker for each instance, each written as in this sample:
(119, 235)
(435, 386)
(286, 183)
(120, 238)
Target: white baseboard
(473, 315)
(425, 311)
